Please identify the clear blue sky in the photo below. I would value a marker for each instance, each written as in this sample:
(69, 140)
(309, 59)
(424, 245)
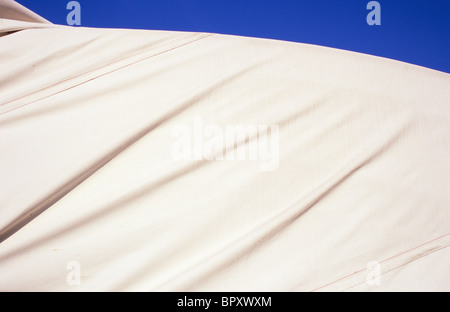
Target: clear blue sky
(413, 31)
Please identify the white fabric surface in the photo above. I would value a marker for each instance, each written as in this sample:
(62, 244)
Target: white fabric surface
(87, 175)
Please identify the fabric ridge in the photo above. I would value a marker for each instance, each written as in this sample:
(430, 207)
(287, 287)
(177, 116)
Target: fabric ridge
(145, 160)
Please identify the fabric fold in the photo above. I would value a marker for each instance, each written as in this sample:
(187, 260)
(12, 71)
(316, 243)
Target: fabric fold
(142, 160)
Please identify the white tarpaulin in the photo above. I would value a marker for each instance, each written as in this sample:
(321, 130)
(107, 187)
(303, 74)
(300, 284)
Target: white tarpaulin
(116, 173)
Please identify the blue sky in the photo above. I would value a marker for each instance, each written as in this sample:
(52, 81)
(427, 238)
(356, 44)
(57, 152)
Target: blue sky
(413, 31)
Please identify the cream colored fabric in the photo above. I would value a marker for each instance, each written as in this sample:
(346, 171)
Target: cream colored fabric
(88, 177)
(12, 10)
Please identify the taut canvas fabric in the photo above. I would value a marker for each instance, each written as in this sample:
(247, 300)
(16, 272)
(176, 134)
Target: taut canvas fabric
(107, 183)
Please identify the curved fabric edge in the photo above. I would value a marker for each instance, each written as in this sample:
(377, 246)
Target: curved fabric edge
(128, 106)
(10, 9)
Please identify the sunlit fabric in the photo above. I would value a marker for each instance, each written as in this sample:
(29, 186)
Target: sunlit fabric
(352, 193)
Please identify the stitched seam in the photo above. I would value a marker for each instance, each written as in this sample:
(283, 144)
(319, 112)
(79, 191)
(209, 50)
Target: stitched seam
(385, 260)
(77, 76)
(401, 265)
(99, 76)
